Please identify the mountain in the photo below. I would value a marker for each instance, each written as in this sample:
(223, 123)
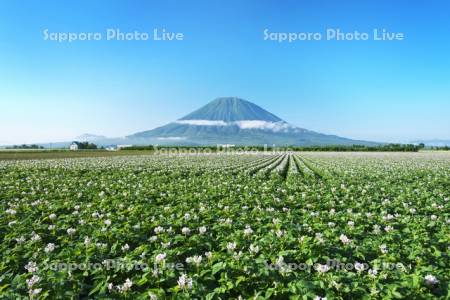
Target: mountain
(235, 121)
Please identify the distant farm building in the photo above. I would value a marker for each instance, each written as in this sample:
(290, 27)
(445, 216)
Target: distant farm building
(225, 146)
(74, 146)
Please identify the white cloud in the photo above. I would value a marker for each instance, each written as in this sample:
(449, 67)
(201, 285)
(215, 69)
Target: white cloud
(244, 124)
(264, 125)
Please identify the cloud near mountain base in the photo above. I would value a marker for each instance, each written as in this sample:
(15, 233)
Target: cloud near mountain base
(244, 124)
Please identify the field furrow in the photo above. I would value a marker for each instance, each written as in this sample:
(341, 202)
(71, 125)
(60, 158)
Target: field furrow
(262, 165)
(303, 169)
(270, 167)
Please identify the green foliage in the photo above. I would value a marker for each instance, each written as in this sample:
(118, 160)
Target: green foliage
(443, 148)
(86, 146)
(25, 146)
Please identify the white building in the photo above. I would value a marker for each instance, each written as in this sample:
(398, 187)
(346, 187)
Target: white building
(73, 146)
(225, 145)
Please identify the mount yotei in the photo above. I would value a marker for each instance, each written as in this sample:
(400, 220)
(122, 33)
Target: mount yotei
(234, 121)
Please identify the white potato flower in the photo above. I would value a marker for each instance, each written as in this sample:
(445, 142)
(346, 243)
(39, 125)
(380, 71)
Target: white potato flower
(202, 229)
(49, 248)
(184, 282)
(160, 258)
(254, 249)
(431, 279)
(231, 246)
(344, 239)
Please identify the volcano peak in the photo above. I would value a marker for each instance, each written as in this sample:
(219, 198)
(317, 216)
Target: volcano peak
(231, 109)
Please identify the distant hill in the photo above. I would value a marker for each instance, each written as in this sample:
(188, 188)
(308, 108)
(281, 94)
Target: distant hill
(235, 121)
(433, 142)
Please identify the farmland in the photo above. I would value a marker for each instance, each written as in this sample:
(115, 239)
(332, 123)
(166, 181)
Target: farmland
(7, 154)
(275, 226)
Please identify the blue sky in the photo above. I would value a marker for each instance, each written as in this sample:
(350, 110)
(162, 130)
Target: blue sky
(374, 90)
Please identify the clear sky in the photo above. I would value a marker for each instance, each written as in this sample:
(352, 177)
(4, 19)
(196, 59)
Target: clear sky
(373, 90)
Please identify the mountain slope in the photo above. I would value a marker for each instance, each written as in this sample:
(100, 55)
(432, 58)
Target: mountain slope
(235, 121)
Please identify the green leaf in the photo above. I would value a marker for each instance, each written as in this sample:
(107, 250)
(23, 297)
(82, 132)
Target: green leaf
(217, 267)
